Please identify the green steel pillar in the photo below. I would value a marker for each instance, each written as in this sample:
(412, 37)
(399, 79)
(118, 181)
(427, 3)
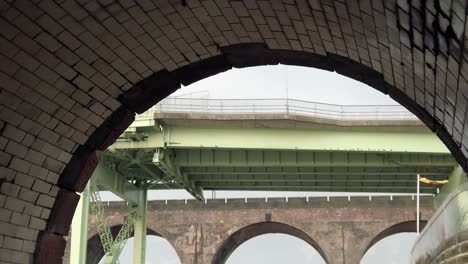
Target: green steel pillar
(139, 249)
(79, 236)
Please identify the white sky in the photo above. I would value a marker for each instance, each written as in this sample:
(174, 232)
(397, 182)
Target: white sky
(298, 82)
(280, 82)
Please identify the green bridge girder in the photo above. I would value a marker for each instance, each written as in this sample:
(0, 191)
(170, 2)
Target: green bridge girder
(414, 139)
(199, 155)
(219, 155)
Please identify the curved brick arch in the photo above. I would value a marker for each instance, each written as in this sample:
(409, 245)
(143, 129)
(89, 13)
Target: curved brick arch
(403, 227)
(73, 72)
(95, 250)
(236, 239)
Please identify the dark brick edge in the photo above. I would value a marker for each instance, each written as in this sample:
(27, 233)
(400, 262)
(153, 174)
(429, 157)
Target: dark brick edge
(74, 179)
(146, 93)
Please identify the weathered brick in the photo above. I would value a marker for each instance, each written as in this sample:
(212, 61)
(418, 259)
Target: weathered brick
(13, 243)
(20, 219)
(10, 189)
(37, 223)
(15, 204)
(28, 195)
(45, 200)
(5, 215)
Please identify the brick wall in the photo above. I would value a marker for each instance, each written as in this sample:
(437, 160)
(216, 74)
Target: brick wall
(337, 227)
(74, 72)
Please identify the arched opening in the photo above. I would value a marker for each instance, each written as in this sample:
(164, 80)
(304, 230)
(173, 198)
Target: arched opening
(158, 86)
(393, 245)
(166, 252)
(235, 240)
(275, 249)
(145, 94)
(62, 58)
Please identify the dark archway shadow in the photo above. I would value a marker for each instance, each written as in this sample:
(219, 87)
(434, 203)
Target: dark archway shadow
(404, 227)
(95, 251)
(242, 235)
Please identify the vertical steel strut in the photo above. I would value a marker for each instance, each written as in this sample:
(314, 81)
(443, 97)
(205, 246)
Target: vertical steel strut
(79, 238)
(139, 248)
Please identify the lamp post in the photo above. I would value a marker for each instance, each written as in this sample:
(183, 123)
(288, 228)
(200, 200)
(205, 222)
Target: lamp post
(417, 205)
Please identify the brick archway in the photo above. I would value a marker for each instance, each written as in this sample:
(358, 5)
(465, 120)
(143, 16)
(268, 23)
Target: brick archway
(143, 95)
(73, 73)
(95, 250)
(404, 227)
(242, 235)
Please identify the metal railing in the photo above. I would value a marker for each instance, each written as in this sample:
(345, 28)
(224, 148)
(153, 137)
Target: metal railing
(280, 106)
(450, 219)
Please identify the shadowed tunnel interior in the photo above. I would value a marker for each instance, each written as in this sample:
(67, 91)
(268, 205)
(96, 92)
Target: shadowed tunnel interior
(74, 73)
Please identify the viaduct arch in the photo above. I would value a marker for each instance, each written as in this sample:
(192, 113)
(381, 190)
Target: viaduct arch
(340, 230)
(95, 250)
(403, 227)
(239, 237)
(74, 73)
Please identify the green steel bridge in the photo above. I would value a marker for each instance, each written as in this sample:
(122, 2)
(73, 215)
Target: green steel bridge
(263, 147)
(270, 145)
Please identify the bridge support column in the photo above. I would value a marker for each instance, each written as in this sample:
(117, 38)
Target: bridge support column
(139, 249)
(79, 237)
(456, 178)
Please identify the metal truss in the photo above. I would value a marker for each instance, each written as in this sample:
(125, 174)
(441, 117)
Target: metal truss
(164, 159)
(112, 247)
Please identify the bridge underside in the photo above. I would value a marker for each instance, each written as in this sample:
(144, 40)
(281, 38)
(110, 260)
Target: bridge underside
(209, 153)
(214, 169)
(208, 156)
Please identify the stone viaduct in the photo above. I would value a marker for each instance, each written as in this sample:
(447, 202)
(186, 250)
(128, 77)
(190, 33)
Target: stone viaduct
(341, 230)
(73, 73)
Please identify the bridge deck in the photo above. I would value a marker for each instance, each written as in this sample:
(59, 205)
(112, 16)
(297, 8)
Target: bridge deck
(278, 152)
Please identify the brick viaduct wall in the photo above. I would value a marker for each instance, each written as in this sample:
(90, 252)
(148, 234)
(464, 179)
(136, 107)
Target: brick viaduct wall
(338, 228)
(73, 73)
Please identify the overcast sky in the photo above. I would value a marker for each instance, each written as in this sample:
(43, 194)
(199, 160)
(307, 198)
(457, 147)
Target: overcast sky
(281, 82)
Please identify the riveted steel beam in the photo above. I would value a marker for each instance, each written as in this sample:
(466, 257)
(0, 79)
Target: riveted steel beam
(274, 158)
(381, 189)
(320, 170)
(375, 178)
(370, 139)
(164, 159)
(109, 180)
